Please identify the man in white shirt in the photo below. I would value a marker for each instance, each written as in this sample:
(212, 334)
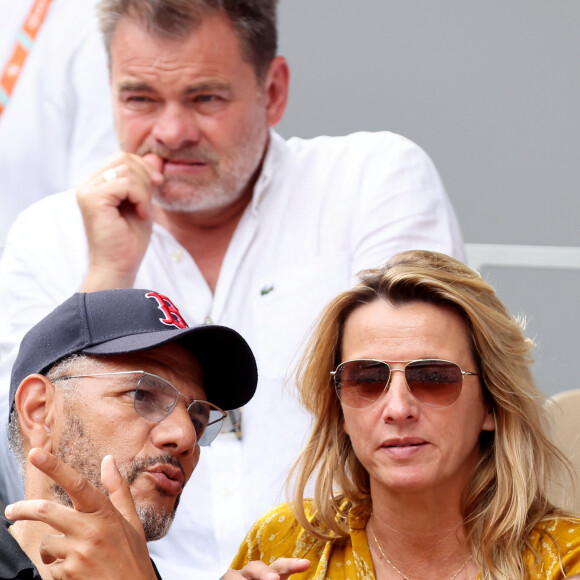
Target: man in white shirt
(209, 205)
(57, 127)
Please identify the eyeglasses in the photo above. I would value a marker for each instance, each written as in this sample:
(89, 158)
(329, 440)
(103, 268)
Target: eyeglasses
(434, 382)
(155, 398)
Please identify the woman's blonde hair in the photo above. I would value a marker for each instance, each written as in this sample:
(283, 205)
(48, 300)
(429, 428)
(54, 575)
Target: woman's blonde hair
(507, 494)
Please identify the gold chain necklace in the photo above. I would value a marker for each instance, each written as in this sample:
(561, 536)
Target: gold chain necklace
(403, 575)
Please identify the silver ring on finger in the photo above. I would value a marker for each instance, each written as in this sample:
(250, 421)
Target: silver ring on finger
(110, 174)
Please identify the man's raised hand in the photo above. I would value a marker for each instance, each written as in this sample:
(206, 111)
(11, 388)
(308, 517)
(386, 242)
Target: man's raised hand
(118, 216)
(101, 538)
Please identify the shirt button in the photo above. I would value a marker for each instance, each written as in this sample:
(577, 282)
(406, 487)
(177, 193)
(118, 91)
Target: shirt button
(177, 255)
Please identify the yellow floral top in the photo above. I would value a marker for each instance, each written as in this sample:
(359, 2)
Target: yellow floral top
(277, 534)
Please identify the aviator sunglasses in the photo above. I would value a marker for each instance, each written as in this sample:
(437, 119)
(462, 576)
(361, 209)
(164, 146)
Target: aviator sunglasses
(155, 398)
(434, 382)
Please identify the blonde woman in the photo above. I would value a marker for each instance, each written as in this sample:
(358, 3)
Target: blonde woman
(429, 456)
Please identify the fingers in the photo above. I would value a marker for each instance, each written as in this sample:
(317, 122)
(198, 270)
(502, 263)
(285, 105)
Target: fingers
(125, 177)
(39, 510)
(97, 541)
(52, 547)
(84, 496)
(256, 570)
(119, 492)
(111, 478)
(155, 162)
(150, 166)
(286, 566)
(116, 205)
(278, 570)
(132, 177)
(119, 165)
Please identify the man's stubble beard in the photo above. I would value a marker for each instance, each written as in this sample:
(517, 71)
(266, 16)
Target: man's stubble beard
(78, 450)
(229, 181)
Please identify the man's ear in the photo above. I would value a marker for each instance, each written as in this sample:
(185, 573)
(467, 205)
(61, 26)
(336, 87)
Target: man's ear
(35, 404)
(276, 90)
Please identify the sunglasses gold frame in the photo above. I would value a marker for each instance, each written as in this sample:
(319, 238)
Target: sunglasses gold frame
(338, 387)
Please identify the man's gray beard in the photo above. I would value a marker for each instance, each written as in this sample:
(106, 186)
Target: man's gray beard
(77, 450)
(226, 187)
(155, 527)
(207, 197)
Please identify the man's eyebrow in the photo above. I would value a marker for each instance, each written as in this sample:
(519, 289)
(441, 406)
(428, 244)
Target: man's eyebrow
(207, 86)
(141, 87)
(135, 86)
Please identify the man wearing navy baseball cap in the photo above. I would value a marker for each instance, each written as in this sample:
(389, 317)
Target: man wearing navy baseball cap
(113, 392)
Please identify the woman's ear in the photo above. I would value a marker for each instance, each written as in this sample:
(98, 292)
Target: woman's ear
(489, 419)
(34, 402)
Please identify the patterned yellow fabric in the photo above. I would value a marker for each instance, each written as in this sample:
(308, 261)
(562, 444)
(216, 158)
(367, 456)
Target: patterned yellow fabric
(277, 535)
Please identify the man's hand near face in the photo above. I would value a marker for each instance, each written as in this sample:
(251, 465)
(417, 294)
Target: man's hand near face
(117, 212)
(102, 537)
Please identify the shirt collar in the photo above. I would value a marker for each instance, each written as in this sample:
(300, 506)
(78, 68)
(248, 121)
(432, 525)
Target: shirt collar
(275, 153)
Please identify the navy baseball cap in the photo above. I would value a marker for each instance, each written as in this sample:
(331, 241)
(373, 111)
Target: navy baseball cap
(123, 321)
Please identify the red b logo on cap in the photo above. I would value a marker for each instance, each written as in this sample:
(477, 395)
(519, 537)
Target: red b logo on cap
(172, 315)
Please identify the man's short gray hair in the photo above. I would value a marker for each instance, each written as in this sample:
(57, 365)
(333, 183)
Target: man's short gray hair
(253, 20)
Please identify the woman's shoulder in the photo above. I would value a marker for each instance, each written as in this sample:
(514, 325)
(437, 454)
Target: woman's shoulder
(562, 529)
(280, 519)
(279, 515)
(279, 534)
(556, 541)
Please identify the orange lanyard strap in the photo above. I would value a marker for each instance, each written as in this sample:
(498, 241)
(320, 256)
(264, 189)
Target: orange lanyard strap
(24, 42)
